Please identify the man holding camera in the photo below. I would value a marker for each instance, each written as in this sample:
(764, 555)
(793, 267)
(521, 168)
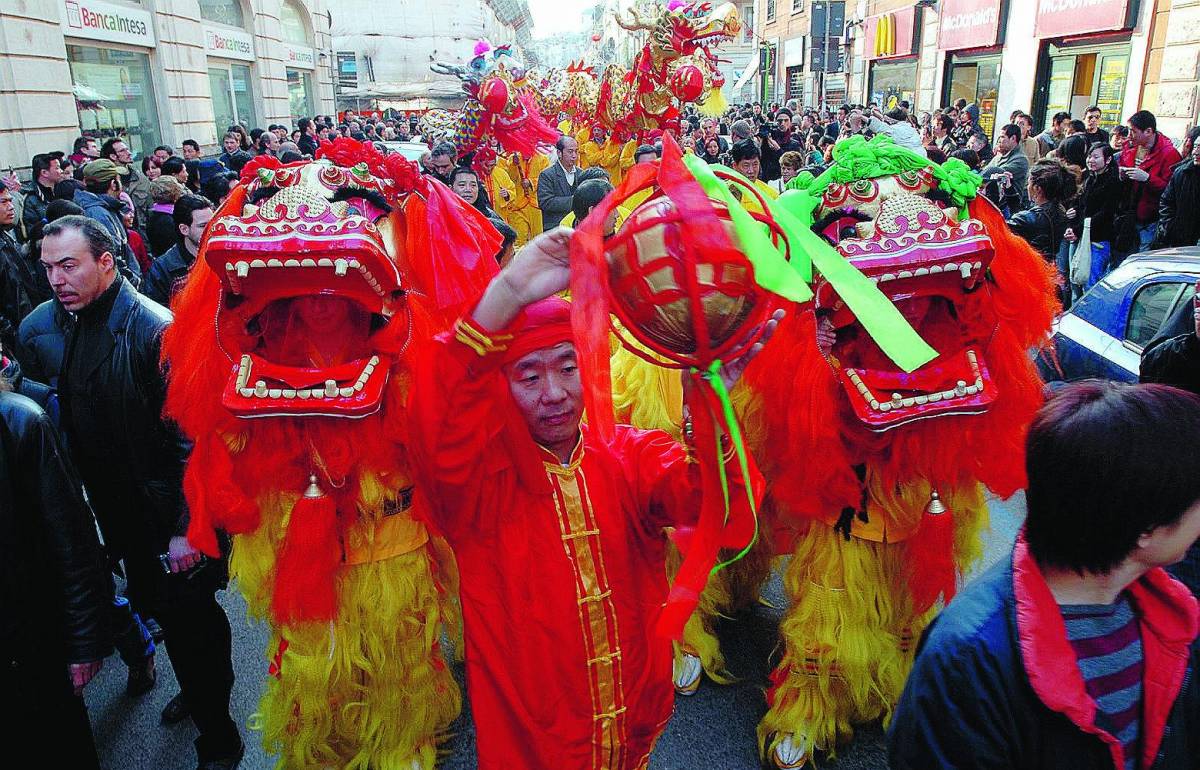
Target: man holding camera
(774, 140)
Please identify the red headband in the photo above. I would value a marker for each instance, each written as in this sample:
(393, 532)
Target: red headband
(543, 324)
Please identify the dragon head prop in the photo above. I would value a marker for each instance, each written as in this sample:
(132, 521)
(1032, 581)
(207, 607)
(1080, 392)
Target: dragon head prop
(676, 64)
(307, 258)
(683, 29)
(288, 355)
(501, 103)
(900, 232)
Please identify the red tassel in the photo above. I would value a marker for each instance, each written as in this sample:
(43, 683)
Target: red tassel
(306, 570)
(704, 540)
(931, 557)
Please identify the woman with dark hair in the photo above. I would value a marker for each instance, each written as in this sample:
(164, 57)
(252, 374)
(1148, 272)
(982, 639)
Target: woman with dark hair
(193, 175)
(712, 150)
(217, 188)
(176, 167)
(150, 168)
(1100, 201)
(1051, 185)
(968, 156)
(1073, 150)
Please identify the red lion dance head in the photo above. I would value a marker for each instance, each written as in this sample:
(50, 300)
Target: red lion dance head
(979, 296)
(288, 355)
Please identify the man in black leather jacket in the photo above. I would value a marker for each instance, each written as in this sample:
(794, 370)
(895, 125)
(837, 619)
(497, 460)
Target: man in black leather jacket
(54, 590)
(98, 344)
(1178, 224)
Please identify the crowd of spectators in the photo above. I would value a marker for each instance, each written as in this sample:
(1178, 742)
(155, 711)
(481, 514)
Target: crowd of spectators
(95, 243)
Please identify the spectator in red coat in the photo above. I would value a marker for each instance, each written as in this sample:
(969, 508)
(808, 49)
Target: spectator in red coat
(1145, 166)
(136, 243)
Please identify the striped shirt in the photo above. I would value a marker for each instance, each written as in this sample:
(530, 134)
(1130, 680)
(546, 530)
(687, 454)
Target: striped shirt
(1107, 642)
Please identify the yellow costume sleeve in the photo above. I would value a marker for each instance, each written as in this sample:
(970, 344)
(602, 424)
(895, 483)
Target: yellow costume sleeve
(502, 184)
(628, 156)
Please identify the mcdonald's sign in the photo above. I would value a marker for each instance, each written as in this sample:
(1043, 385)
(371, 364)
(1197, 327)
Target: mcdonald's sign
(889, 35)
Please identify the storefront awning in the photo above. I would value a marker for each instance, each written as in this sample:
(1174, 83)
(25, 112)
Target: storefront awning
(747, 76)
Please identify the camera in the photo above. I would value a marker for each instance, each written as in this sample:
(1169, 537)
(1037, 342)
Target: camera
(766, 129)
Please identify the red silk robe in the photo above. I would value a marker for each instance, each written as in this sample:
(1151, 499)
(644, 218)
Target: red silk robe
(562, 567)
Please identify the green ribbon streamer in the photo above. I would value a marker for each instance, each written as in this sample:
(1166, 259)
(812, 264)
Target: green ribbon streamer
(794, 213)
(713, 377)
(771, 268)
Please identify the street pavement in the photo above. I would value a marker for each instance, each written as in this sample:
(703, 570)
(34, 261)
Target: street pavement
(715, 728)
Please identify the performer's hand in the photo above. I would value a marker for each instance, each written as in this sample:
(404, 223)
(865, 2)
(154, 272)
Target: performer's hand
(732, 371)
(540, 269)
(82, 673)
(181, 556)
(504, 194)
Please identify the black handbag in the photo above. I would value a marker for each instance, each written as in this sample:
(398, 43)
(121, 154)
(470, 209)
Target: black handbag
(1125, 233)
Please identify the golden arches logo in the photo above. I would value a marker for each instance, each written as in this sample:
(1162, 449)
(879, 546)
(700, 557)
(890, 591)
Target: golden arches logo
(885, 35)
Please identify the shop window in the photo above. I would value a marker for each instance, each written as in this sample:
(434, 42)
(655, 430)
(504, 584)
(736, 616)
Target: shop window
(291, 18)
(232, 96)
(1079, 78)
(977, 82)
(227, 12)
(795, 83)
(892, 83)
(300, 94)
(114, 95)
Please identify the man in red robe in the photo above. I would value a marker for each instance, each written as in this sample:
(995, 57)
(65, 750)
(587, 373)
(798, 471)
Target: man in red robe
(558, 536)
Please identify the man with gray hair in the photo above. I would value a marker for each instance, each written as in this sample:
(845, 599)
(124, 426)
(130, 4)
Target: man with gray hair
(556, 185)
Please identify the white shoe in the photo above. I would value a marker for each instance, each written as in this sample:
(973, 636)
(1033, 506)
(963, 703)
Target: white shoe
(791, 752)
(687, 674)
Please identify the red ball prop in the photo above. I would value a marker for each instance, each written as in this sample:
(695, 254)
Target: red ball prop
(493, 94)
(658, 293)
(687, 83)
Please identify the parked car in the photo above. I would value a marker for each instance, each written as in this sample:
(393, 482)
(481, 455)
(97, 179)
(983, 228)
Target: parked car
(411, 150)
(1104, 333)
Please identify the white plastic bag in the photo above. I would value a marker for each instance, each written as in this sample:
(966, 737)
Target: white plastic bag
(1081, 260)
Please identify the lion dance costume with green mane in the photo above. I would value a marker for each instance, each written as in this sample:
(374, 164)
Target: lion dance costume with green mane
(289, 362)
(877, 475)
(879, 448)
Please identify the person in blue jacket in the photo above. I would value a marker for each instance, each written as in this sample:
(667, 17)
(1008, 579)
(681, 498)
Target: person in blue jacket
(1079, 651)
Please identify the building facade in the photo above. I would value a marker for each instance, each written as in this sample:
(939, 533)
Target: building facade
(383, 50)
(801, 51)
(1038, 56)
(157, 71)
